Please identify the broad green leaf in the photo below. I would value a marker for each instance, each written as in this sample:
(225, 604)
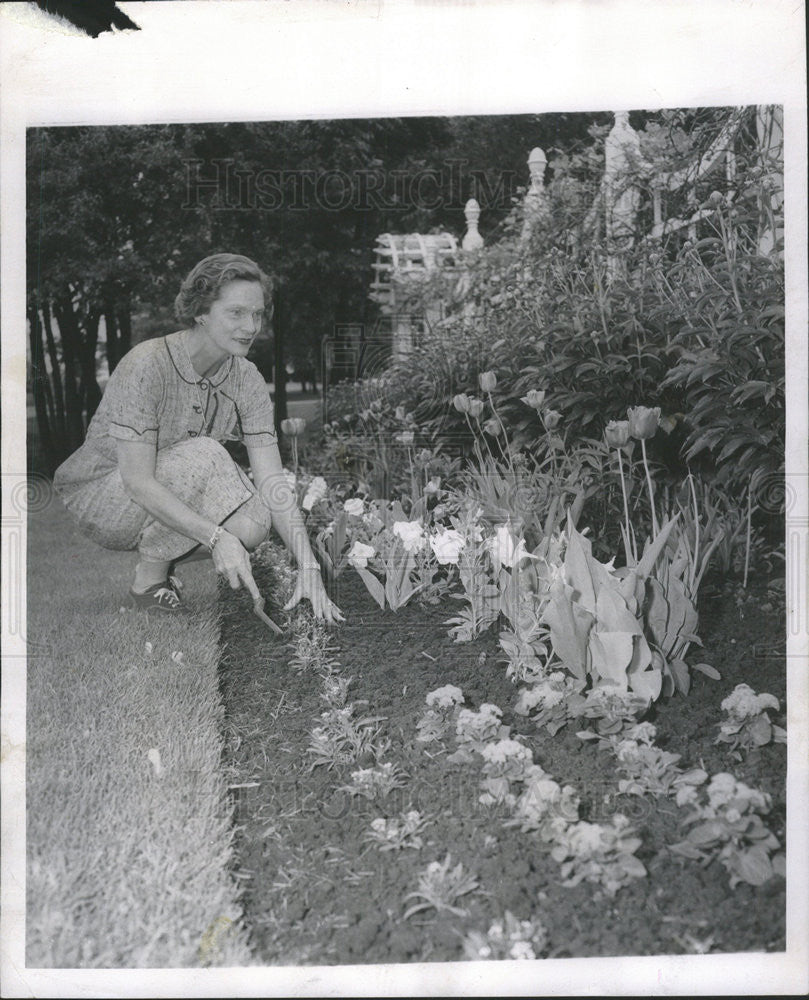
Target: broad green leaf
(753, 865)
(682, 678)
(375, 588)
(611, 654)
(570, 627)
(612, 614)
(657, 611)
(708, 670)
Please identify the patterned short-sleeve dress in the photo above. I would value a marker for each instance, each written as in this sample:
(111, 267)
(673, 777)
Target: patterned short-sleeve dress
(155, 395)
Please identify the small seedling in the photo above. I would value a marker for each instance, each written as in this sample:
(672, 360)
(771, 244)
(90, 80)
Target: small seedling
(440, 887)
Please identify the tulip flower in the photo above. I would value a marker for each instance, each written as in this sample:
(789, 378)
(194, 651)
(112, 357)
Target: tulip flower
(492, 426)
(447, 545)
(488, 380)
(354, 506)
(461, 403)
(475, 407)
(505, 550)
(617, 433)
(360, 554)
(643, 424)
(551, 419)
(535, 398)
(411, 534)
(643, 421)
(293, 426)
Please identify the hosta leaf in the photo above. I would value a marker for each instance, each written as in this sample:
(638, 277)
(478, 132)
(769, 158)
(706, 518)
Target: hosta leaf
(570, 626)
(611, 654)
(657, 611)
(680, 674)
(708, 670)
(612, 614)
(647, 683)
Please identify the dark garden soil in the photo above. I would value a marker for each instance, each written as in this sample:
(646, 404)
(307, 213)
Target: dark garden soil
(316, 892)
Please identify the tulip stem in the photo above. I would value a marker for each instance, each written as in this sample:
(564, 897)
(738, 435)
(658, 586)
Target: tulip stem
(295, 455)
(507, 452)
(633, 556)
(655, 529)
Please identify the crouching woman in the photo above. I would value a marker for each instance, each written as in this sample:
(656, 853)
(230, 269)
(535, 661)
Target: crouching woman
(152, 474)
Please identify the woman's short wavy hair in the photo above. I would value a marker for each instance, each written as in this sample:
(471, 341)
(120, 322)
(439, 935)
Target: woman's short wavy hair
(204, 284)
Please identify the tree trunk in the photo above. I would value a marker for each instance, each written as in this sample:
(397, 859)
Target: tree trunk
(279, 365)
(124, 329)
(41, 391)
(88, 386)
(59, 427)
(71, 349)
(113, 347)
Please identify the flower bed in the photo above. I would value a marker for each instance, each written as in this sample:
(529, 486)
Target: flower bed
(338, 868)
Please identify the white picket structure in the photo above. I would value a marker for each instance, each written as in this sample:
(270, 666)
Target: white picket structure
(405, 262)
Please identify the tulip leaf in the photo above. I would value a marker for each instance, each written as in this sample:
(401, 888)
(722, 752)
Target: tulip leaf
(375, 588)
(653, 548)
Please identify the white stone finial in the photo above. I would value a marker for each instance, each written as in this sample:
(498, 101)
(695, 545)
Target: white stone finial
(537, 161)
(472, 240)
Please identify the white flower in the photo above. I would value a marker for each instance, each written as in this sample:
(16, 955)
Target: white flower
(627, 751)
(406, 437)
(317, 490)
(504, 550)
(521, 950)
(433, 486)
(502, 750)
(379, 824)
(411, 534)
(743, 702)
(496, 932)
(354, 506)
(359, 554)
(447, 545)
(585, 838)
(643, 732)
(445, 697)
(290, 477)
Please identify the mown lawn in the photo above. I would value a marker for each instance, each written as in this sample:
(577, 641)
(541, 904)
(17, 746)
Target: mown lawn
(128, 816)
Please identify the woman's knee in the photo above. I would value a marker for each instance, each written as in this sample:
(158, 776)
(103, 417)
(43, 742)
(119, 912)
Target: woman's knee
(250, 527)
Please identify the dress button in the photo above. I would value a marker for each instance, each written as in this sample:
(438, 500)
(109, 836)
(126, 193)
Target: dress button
(203, 385)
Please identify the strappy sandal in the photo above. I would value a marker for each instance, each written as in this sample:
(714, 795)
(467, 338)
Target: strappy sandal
(160, 597)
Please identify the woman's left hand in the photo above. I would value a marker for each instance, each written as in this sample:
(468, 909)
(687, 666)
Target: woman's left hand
(310, 585)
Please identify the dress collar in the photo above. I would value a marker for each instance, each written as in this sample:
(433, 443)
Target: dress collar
(182, 363)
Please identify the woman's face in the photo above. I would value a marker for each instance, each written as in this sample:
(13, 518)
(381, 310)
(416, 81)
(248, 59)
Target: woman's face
(234, 319)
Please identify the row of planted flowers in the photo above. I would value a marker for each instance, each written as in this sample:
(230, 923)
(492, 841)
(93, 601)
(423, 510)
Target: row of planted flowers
(586, 640)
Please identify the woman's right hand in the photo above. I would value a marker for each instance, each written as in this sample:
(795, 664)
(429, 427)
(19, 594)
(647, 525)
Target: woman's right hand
(231, 559)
